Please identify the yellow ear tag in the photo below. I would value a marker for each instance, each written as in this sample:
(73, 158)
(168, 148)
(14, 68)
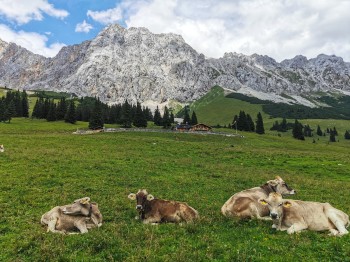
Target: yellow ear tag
(287, 204)
(263, 202)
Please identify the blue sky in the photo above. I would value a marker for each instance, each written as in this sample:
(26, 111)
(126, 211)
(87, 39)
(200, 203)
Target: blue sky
(281, 29)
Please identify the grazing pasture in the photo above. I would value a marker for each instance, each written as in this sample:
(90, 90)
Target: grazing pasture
(45, 165)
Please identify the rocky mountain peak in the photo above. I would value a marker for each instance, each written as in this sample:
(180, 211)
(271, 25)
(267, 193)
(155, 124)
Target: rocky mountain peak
(138, 65)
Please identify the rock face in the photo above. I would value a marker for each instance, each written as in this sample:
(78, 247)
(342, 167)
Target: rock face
(136, 64)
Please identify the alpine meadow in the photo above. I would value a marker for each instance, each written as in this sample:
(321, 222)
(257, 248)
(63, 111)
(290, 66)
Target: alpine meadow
(174, 131)
(45, 165)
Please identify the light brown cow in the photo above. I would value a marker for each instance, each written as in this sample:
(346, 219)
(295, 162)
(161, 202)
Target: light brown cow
(152, 210)
(81, 215)
(2, 149)
(245, 204)
(296, 215)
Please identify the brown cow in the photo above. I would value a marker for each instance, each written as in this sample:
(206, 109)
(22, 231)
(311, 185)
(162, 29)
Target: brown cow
(245, 204)
(81, 215)
(296, 215)
(153, 210)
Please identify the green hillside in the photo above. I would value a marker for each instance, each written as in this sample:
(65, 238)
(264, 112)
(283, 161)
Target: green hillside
(45, 165)
(214, 108)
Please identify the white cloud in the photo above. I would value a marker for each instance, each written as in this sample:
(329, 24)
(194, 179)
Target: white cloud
(23, 11)
(108, 16)
(83, 27)
(34, 42)
(280, 29)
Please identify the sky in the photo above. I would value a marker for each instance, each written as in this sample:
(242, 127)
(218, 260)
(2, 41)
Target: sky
(280, 29)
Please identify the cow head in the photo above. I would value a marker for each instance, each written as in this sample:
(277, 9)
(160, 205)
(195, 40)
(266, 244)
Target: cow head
(275, 203)
(278, 185)
(141, 197)
(2, 149)
(80, 206)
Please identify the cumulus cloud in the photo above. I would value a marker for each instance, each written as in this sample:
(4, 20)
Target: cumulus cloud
(23, 11)
(280, 29)
(108, 16)
(34, 42)
(83, 27)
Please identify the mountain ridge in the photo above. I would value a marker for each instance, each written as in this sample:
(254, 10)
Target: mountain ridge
(138, 65)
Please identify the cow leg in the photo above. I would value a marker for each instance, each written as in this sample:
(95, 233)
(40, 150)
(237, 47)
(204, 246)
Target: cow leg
(81, 225)
(338, 222)
(333, 232)
(51, 225)
(296, 228)
(151, 220)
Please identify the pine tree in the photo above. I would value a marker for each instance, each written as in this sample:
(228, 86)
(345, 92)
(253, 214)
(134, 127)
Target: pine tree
(157, 117)
(250, 124)
(126, 114)
(332, 136)
(283, 127)
(51, 115)
(242, 121)
(2, 109)
(260, 124)
(187, 119)
(70, 116)
(319, 131)
(298, 131)
(139, 119)
(194, 120)
(166, 118)
(25, 105)
(62, 109)
(335, 131)
(347, 135)
(96, 119)
(172, 118)
(234, 122)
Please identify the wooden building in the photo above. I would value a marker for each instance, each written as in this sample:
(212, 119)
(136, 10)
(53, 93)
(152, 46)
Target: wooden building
(200, 127)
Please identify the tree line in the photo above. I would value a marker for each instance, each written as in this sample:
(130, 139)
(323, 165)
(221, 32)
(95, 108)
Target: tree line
(14, 104)
(244, 122)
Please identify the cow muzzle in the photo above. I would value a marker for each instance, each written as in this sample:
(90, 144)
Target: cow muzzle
(139, 207)
(274, 215)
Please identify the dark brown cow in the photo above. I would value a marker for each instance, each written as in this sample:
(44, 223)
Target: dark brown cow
(296, 215)
(152, 210)
(246, 204)
(81, 215)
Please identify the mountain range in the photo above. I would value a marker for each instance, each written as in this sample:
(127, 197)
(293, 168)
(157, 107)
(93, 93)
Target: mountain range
(138, 65)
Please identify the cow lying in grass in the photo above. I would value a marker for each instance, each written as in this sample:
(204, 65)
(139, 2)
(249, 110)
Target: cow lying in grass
(2, 149)
(245, 204)
(81, 215)
(153, 210)
(296, 215)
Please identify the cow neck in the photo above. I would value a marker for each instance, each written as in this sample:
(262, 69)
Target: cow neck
(146, 208)
(268, 188)
(90, 211)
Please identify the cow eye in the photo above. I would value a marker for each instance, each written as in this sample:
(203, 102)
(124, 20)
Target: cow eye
(280, 204)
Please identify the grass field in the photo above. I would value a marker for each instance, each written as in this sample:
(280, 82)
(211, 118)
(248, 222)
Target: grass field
(45, 165)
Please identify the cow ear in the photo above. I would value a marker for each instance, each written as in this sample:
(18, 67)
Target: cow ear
(262, 201)
(132, 196)
(150, 197)
(272, 182)
(279, 178)
(287, 204)
(85, 200)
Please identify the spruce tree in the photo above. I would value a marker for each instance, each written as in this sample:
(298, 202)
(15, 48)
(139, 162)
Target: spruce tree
(157, 117)
(194, 120)
(51, 115)
(126, 114)
(242, 121)
(70, 116)
(260, 125)
(283, 127)
(347, 135)
(166, 118)
(25, 105)
(319, 131)
(96, 118)
(250, 124)
(187, 119)
(62, 109)
(335, 131)
(2, 110)
(298, 130)
(139, 118)
(332, 136)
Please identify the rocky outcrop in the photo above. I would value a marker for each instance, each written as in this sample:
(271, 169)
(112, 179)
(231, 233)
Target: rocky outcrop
(136, 64)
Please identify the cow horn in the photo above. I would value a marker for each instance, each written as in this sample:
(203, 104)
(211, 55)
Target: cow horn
(278, 178)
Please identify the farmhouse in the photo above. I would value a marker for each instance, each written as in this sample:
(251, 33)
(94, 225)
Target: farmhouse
(200, 127)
